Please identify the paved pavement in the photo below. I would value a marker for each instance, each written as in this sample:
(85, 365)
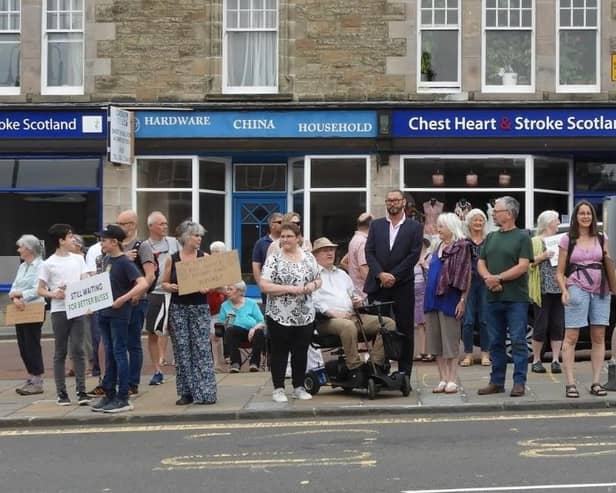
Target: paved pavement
(248, 396)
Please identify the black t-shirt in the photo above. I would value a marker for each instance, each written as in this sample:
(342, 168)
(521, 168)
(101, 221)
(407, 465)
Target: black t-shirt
(122, 275)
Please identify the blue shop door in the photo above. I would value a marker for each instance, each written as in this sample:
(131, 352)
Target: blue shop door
(250, 214)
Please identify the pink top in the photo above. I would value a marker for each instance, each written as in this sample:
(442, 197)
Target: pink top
(584, 256)
(357, 258)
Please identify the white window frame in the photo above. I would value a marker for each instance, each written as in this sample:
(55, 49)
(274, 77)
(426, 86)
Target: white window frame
(226, 88)
(579, 88)
(60, 90)
(491, 88)
(438, 87)
(12, 90)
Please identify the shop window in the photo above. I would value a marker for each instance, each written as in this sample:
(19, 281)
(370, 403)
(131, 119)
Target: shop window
(336, 172)
(10, 46)
(176, 206)
(577, 67)
(508, 46)
(211, 216)
(260, 177)
(595, 176)
(63, 47)
(211, 175)
(56, 173)
(164, 173)
(439, 46)
(298, 175)
(250, 46)
(551, 201)
(464, 172)
(551, 174)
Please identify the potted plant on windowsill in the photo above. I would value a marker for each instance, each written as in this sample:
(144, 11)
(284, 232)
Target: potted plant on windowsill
(506, 61)
(427, 74)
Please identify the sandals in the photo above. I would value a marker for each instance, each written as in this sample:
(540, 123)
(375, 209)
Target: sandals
(451, 388)
(598, 390)
(485, 360)
(572, 391)
(467, 361)
(428, 358)
(419, 357)
(440, 388)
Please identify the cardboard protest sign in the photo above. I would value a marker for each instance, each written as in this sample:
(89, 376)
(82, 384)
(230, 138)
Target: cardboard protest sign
(88, 295)
(208, 272)
(32, 313)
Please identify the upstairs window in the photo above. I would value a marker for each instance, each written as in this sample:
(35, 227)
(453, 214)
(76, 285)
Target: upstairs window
(10, 46)
(508, 61)
(578, 50)
(63, 47)
(250, 46)
(438, 57)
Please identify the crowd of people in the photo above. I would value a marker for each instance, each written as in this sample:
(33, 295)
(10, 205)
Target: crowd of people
(444, 286)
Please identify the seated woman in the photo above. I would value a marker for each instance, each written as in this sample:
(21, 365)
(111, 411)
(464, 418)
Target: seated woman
(244, 323)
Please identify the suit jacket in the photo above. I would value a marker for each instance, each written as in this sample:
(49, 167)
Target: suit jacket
(402, 258)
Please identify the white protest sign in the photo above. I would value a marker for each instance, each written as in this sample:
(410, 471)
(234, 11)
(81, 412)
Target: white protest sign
(88, 295)
(551, 245)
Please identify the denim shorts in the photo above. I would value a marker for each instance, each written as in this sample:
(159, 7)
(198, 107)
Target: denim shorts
(586, 308)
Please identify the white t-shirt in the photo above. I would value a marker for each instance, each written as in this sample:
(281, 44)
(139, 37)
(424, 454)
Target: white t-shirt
(60, 270)
(163, 249)
(94, 252)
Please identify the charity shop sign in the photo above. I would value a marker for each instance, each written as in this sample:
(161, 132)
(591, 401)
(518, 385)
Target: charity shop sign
(52, 125)
(267, 124)
(208, 272)
(88, 295)
(505, 123)
(32, 313)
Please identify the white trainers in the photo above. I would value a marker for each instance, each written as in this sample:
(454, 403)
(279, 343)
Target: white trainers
(301, 394)
(279, 396)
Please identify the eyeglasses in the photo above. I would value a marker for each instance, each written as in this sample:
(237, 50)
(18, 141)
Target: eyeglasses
(126, 224)
(296, 223)
(276, 222)
(393, 201)
(496, 211)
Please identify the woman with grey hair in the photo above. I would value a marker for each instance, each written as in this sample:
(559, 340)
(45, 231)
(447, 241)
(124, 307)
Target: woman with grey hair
(444, 303)
(24, 291)
(244, 323)
(189, 324)
(476, 301)
(545, 294)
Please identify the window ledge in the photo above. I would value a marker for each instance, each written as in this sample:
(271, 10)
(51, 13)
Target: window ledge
(248, 97)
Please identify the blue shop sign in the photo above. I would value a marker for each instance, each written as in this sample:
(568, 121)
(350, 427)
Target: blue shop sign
(243, 124)
(505, 123)
(52, 125)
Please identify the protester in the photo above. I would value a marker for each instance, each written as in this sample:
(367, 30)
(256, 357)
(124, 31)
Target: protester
(127, 285)
(503, 264)
(420, 272)
(59, 270)
(334, 302)
(476, 299)
(215, 299)
(392, 249)
(189, 324)
(157, 314)
(244, 322)
(288, 278)
(355, 260)
(585, 293)
(549, 314)
(448, 281)
(24, 291)
(141, 253)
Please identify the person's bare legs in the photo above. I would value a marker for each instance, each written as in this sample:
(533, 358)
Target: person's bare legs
(568, 352)
(537, 346)
(556, 347)
(163, 344)
(597, 352)
(420, 340)
(154, 352)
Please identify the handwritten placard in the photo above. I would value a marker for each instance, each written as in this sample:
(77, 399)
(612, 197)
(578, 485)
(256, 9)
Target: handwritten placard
(551, 245)
(208, 272)
(32, 313)
(88, 295)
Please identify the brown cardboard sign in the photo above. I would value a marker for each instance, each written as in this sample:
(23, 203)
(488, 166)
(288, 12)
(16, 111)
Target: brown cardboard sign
(32, 313)
(208, 272)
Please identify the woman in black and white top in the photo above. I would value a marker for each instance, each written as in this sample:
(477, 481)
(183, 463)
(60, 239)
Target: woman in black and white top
(288, 278)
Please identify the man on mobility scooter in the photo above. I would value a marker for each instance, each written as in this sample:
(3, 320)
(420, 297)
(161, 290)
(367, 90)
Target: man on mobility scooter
(338, 307)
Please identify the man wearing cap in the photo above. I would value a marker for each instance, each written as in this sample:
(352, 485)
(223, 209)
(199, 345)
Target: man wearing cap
(334, 302)
(127, 285)
(141, 253)
(356, 263)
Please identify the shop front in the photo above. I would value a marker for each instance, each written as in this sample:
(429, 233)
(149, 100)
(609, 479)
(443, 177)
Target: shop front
(546, 158)
(230, 170)
(50, 171)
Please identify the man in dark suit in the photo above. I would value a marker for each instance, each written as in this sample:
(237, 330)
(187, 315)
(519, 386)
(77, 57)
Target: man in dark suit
(392, 250)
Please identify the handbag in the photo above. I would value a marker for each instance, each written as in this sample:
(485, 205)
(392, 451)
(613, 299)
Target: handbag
(610, 271)
(393, 343)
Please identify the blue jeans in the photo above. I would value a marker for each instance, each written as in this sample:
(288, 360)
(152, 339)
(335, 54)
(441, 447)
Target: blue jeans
(114, 333)
(512, 316)
(135, 350)
(476, 308)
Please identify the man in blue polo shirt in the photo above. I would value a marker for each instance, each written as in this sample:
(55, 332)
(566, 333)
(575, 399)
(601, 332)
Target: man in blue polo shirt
(260, 249)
